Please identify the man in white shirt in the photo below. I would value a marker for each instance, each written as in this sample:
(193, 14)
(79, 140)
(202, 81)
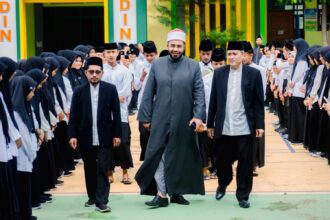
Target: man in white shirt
(140, 80)
(120, 76)
(133, 67)
(258, 143)
(205, 51)
(218, 59)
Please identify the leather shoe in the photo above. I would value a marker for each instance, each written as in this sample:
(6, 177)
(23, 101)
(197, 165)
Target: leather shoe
(158, 201)
(221, 192)
(179, 199)
(244, 204)
(103, 208)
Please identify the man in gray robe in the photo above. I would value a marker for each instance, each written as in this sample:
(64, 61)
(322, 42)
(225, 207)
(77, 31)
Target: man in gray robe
(172, 104)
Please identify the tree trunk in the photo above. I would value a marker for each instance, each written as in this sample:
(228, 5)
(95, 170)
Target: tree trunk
(324, 24)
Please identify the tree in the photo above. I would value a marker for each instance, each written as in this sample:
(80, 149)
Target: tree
(324, 27)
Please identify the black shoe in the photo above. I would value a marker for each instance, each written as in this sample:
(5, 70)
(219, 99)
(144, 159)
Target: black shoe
(46, 199)
(179, 199)
(244, 204)
(221, 192)
(33, 218)
(46, 194)
(158, 202)
(59, 183)
(67, 173)
(103, 208)
(90, 203)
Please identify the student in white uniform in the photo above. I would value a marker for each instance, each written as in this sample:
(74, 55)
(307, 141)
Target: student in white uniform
(120, 76)
(205, 51)
(298, 109)
(9, 134)
(258, 142)
(140, 80)
(134, 63)
(62, 110)
(206, 144)
(22, 90)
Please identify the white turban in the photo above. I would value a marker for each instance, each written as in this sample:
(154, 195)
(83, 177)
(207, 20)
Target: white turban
(176, 34)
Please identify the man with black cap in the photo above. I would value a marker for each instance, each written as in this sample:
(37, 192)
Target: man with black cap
(95, 127)
(173, 103)
(205, 143)
(120, 76)
(258, 143)
(140, 80)
(205, 51)
(236, 115)
(256, 51)
(133, 53)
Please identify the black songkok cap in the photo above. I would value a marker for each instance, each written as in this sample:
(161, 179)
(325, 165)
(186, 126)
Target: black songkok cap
(164, 53)
(258, 36)
(235, 45)
(93, 61)
(288, 44)
(99, 50)
(218, 54)
(277, 44)
(327, 57)
(149, 47)
(110, 46)
(247, 47)
(206, 45)
(134, 50)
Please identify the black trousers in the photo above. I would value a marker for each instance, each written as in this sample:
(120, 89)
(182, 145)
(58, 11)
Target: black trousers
(133, 103)
(205, 148)
(96, 165)
(9, 208)
(280, 112)
(35, 182)
(24, 194)
(144, 137)
(121, 156)
(228, 150)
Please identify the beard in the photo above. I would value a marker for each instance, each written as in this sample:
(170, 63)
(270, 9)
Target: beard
(94, 83)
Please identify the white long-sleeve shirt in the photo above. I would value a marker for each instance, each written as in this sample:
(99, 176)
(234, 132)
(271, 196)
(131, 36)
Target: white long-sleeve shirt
(120, 76)
(28, 151)
(298, 79)
(235, 122)
(94, 101)
(263, 75)
(140, 85)
(207, 80)
(317, 83)
(12, 131)
(68, 91)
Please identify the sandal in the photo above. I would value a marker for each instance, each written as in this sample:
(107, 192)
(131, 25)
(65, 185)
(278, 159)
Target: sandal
(126, 181)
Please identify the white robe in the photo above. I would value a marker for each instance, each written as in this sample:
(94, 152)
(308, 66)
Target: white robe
(122, 79)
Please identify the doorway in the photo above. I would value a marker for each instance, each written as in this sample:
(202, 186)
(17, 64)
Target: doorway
(280, 25)
(67, 27)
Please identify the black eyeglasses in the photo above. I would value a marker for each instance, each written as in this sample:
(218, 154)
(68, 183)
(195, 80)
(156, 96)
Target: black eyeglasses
(94, 71)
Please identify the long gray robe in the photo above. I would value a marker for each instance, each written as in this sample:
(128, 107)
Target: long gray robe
(173, 95)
